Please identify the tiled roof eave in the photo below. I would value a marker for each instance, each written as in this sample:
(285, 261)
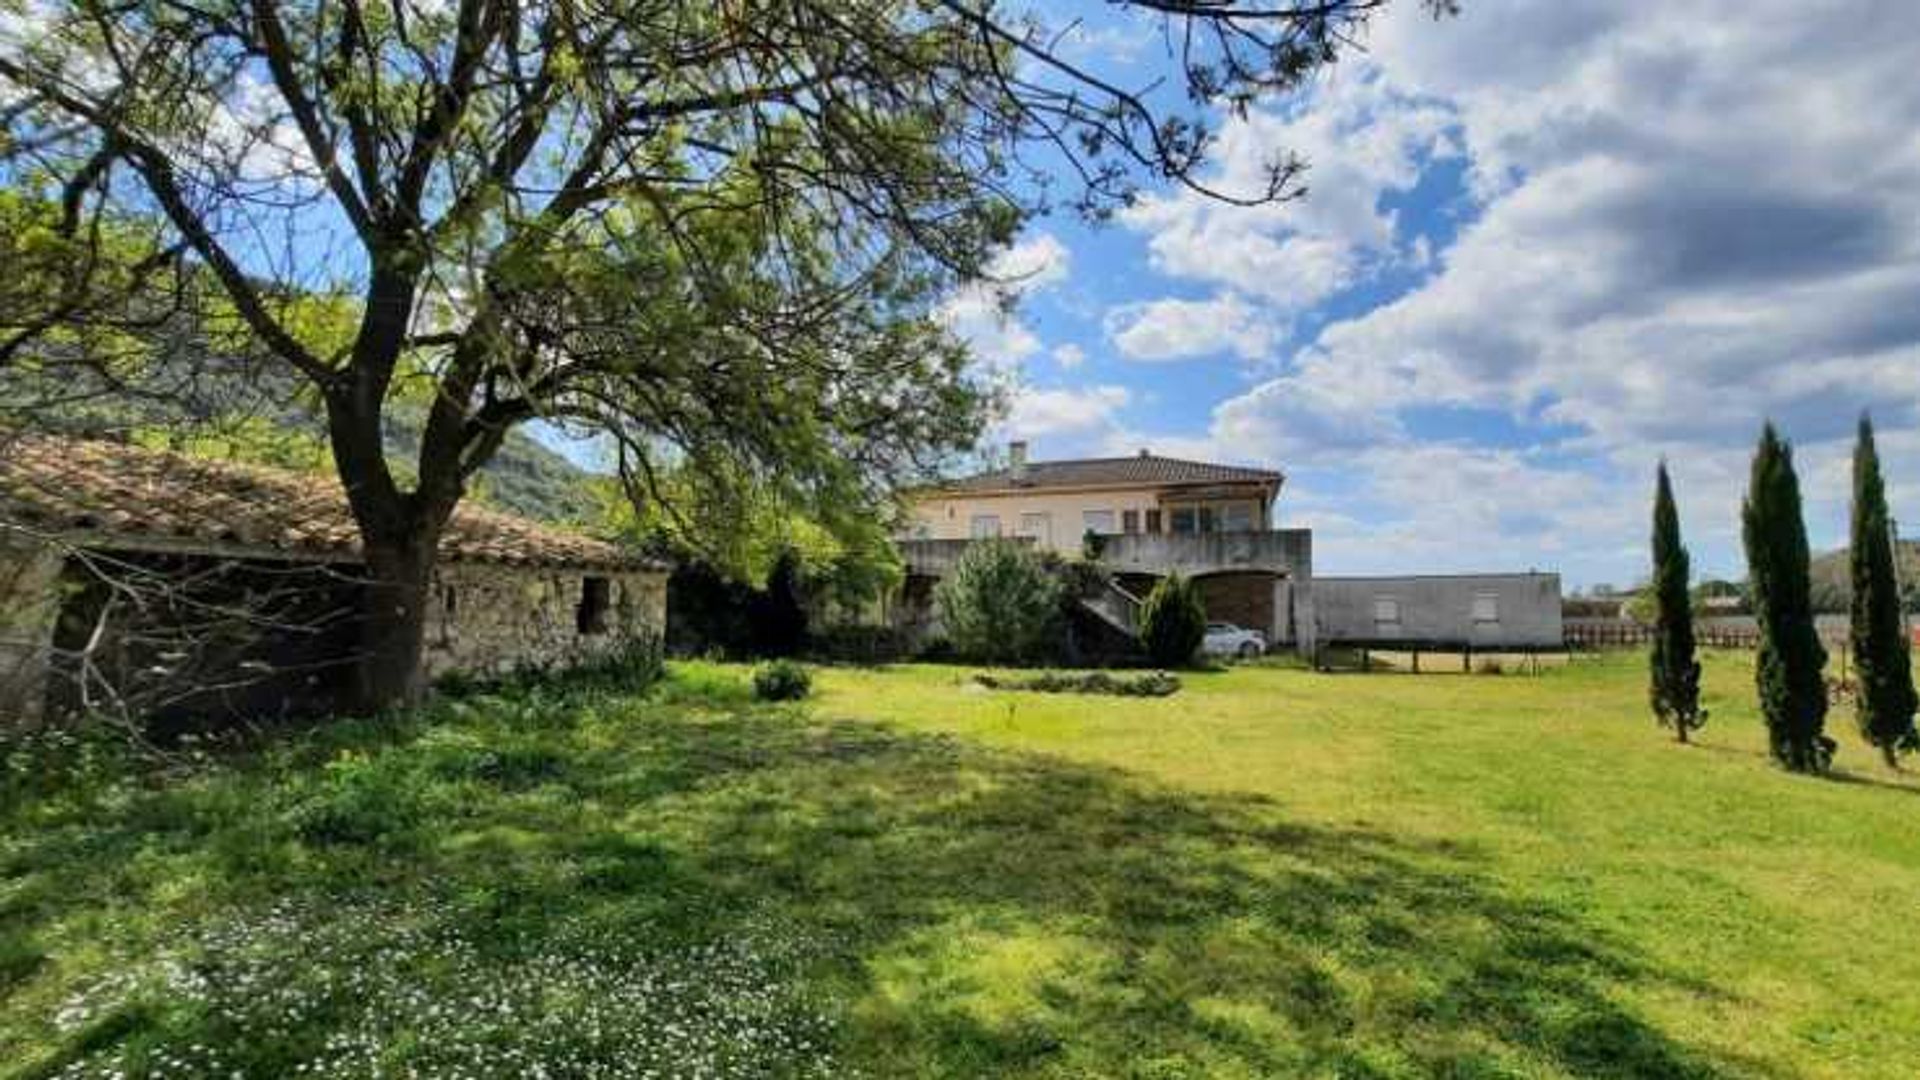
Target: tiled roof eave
(112, 540)
(114, 497)
(961, 488)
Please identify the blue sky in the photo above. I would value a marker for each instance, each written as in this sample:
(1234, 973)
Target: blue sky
(1544, 245)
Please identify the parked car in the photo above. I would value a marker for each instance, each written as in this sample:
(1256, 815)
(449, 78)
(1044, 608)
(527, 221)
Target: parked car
(1226, 639)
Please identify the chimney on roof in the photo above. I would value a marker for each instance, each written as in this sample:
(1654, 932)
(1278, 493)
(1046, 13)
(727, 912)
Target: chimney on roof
(1017, 460)
(1144, 452)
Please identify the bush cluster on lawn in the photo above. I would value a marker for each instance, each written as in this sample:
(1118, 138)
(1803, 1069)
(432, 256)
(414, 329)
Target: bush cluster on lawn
(857, 644)
(1173, 622)
(1001, 604)
(781, 680)
(1148, 684)
(631, 668)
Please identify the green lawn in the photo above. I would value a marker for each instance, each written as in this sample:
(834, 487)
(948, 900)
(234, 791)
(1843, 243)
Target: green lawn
(1270, 873)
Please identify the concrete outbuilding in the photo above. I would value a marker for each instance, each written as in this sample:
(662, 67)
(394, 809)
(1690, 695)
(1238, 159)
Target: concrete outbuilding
(1456, 612)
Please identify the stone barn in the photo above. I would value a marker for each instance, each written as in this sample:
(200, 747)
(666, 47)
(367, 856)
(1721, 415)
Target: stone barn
(190, 591)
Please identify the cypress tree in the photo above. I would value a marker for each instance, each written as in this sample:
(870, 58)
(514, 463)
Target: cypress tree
(1173, 622)
(1882, 663)
(1675, 685)
(1788, 668)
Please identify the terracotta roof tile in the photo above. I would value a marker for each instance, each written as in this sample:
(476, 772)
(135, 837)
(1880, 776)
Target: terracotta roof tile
(1144, 469)
(72, 485)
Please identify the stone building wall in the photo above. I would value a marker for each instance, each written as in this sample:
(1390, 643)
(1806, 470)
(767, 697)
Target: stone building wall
(486, 619)
(489, 619)
(29, 606)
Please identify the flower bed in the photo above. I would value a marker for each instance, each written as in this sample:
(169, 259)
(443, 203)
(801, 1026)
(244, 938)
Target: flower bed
(1147, 684)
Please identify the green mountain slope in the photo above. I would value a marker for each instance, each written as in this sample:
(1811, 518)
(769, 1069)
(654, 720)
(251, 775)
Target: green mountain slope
(1832, 589)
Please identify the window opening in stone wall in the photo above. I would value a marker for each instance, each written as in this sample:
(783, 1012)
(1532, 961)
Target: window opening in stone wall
(595, 599)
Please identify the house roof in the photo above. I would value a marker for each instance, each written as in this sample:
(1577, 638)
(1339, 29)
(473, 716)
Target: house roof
(112, 495)
(1147, 470)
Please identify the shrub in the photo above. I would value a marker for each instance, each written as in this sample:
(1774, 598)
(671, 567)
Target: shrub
(781, 680)
(1172, 622)
(859, 644)
(1083, 578)
(1000, 604)
(633, 666)
(777, 615)
(81, 757)
(1148, 684)
(360, 800)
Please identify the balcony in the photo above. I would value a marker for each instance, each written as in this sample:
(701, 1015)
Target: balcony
(1281, 551)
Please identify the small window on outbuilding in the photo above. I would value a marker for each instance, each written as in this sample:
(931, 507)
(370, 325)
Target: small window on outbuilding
(1386, 612)
(596, 598)
(1486, 608)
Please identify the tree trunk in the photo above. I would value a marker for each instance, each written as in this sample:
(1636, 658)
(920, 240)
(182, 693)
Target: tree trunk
(387, 671)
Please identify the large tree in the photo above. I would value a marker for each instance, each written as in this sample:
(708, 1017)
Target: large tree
(1788, 667)
(1882, 655)
(711, 232)
(1675, 674)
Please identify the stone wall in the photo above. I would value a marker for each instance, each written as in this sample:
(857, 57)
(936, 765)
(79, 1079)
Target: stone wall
(29, 606)
(488, 619)
(485, 619)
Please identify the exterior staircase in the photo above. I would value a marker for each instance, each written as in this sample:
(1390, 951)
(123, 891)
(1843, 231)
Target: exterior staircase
(1115, 606)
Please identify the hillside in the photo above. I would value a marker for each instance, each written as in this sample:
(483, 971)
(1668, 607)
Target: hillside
(525, 476)
(1832, 589)
(262, 415)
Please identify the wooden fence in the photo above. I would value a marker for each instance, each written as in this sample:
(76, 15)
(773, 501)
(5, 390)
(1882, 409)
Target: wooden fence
(1715, 633)
(1621, 635)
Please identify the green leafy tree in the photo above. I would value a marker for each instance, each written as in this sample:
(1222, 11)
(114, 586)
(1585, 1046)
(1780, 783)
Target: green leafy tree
(1001, 604)
(1788, 667)
(1173, 621)
(1675, 683)
(712, 234)
(778, 615)
(1882, 653)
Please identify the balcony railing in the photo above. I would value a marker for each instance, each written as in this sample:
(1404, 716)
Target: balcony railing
(1283, 551)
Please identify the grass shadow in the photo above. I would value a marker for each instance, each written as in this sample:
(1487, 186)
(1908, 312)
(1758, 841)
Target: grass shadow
(952, 910)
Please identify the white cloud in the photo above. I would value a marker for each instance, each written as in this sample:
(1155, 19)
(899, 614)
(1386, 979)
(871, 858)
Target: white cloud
(1362, 140)
(1069, 356)
(1035, 262)
(1038, 413)
(1173, 329)
(985, 314)
(1687, 223)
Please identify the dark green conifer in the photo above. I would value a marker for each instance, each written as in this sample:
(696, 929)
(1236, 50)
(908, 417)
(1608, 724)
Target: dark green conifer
(1882, 662)
(1675, 682)
(1788, 668)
